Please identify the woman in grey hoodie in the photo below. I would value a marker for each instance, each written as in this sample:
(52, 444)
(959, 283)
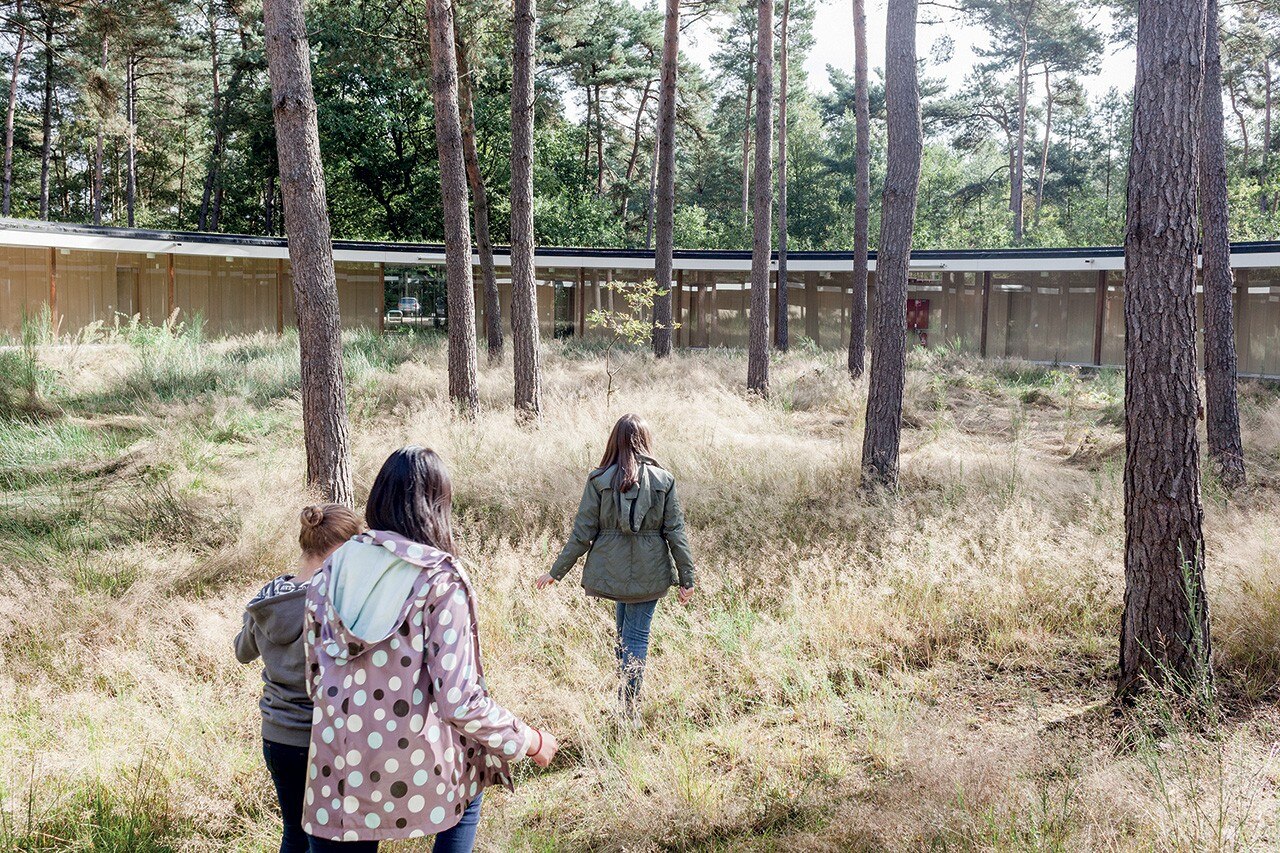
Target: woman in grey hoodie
(273, 631)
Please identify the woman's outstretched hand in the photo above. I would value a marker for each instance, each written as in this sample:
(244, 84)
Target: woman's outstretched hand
(544, 748)
(686, 595)
(544, 581)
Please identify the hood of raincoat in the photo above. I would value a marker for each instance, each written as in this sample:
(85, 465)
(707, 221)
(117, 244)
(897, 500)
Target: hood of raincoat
(370, 589)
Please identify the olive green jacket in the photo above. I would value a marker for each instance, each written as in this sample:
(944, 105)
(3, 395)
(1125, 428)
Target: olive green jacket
(635, 543)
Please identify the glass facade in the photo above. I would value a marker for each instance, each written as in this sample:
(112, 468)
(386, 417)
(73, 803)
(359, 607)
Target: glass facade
(1048, 316)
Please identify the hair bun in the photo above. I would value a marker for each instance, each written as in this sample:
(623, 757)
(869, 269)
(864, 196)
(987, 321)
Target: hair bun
(312, 516)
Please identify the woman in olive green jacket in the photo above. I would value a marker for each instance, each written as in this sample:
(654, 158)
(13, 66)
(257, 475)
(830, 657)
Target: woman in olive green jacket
(631, 528)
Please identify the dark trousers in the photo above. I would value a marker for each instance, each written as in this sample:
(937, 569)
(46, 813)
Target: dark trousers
(288, 767)
(457, 839)
(634, 620)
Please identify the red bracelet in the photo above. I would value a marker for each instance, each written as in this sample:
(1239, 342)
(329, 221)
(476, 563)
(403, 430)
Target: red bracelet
(539, 734)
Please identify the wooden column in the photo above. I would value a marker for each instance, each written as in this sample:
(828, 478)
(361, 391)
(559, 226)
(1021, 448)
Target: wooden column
(986, 311)
(1243, 361)
(677, 311)
(812, 319)
(170, 290)
(53, 288)
(608, 281)
(1099, 317)
(580, 305)
(382, 296)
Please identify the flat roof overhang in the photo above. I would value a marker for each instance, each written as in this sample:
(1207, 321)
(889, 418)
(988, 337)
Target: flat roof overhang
(33, 234)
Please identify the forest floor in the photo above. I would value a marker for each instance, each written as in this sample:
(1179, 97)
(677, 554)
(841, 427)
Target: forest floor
(931, 672)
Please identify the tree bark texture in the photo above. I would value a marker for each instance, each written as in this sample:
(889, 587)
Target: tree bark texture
(1222, 413)
(480, 207)
(13, 108)
(324, 403)
(762, 206)
(781, 338)
(883, 431)
(1164, 633)
(46, 136)
(453, 196)
(525, 337)
(664, 216)
(862, 194)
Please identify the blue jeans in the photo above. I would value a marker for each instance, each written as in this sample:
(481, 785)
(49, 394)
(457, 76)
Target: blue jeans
(634, 620)
(288, 767)
(456, 839)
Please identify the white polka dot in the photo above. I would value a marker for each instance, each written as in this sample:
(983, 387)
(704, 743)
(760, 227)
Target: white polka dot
(433, 734)
(391, 725)
(355, 778)
(416, 723)
(420, 778)
(353, 757)
(393, 683)
(416, 803)
(495, 740)
(359, 698)
(350, 804)
(445, 617)
(375, 740)
(440, 788)
(418, 697)
(454, 694)
(339, 763)
(315, 717)
(354, 723)
(417, 833)
(346, 683)
(415, 551)
(416, 642)
(449, 797)
(448, 755)
(372, 820)
(360, 677)
(376, 796)
(380, 658)
(311, 796)
(389, 545)
(327, 735)
(509, 748)
(473, 784)
(395, 642)
(449, 662)
(313, 771)
(472, 727)
(322, 816)
(324, 792)
(379, 714)
(417, 757)
(350, 835)
(437, 814)
(339, 723)
(388, 807)
(392, 765)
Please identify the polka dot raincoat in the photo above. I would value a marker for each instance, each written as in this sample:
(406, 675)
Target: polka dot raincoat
(404, 734)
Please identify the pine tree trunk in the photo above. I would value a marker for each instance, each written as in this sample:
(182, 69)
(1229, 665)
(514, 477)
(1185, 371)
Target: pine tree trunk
(883, 431)
(1222, 414)
(480, 205)
(131, 118)
(46, 138)
(762, 206)
(1016, 190)
(453, 194)
(664, 217)
(525, 338)
(1164, 634)
(98, 184)
(215, 117)
(324, 403)
(862, 202)
(746, 147)
(1044, 146)
(781, 337)
(13, 108)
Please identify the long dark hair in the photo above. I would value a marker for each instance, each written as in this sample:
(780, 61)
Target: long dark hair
(413, 496)
(629, 441)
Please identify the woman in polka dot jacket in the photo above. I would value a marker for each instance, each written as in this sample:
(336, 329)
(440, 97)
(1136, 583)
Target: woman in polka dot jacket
(405, 736)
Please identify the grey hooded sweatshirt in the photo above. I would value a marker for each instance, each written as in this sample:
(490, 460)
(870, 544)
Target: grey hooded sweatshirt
(273, 631)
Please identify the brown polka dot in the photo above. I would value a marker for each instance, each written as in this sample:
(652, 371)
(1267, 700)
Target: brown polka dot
(400, 708)
(399, 789)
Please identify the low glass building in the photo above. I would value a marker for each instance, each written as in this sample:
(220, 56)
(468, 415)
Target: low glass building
(1060, 306)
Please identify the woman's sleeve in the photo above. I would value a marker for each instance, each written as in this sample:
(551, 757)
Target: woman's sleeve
(246, 642)
(455, 676)
(586, 526)
(677, 541)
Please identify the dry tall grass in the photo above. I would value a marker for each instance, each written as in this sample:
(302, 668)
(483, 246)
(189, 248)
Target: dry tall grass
(929, 672)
